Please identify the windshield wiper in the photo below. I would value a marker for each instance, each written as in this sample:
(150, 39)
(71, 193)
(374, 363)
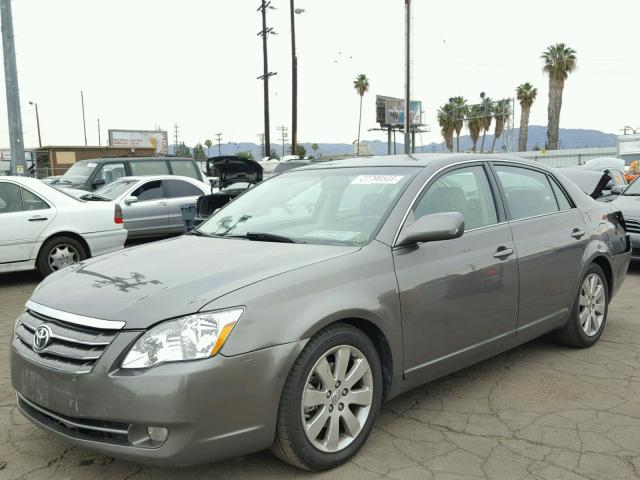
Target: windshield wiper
(197, 233)
(631, 194)
(93, 196)
(263, 237)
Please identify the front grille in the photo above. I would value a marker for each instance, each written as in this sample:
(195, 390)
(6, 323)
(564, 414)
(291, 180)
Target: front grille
(83, 429)
(72, 348)
(633, 226)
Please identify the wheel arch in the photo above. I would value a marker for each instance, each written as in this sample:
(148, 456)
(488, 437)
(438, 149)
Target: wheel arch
(66, 233)
(605, 265)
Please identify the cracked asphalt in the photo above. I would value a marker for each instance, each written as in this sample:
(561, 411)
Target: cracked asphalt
(540, 411)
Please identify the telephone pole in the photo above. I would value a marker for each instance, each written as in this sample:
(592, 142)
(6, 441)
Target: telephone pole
(219, 140)
(99, 141)
(16, 140)
(283, 130)
(261, 137)
(175, 139)
(266, 73)
(407, 93)
(294, 83)
(84, 123)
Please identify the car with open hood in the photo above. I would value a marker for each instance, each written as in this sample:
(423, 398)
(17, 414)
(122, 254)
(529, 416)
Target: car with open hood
(629, 204)
(287, 317)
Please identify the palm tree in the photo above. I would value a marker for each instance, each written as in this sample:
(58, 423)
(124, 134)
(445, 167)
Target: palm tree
(445, 120)
(559, 62)
(459, 108)
(314, 147)
(486, 106)
(501, 112)
(361, 84)
(474, 124)
(208, 143)
(526, 94)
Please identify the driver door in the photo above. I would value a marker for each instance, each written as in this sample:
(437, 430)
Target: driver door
(149, 215)
(459, 298)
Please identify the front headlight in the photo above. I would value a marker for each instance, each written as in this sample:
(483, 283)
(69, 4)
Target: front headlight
(188, 338)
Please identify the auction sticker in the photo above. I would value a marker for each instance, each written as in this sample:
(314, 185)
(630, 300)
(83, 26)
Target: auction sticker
(377, 179)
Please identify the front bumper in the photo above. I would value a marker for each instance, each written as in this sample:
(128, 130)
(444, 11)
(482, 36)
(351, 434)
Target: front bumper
(635, 246)
(214, 409)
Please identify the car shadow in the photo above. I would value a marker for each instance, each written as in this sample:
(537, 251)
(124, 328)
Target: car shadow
(19, 278)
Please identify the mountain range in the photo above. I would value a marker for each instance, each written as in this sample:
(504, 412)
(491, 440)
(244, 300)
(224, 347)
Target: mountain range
(569, 138)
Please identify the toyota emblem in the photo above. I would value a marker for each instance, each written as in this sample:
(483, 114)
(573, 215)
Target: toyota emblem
(41, 338)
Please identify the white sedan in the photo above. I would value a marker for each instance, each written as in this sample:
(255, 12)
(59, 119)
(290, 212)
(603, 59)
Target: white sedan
(43, 228)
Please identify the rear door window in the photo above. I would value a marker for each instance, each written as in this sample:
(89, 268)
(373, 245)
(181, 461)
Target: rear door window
(10, 198)
(180, 188)
(31, 201)
(149, 191)
(528, 191)
(185, 168)
(149, 167)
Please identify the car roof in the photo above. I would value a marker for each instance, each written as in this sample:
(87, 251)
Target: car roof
(120, 159)
(137, 178)
(415, 160)
(23, 180)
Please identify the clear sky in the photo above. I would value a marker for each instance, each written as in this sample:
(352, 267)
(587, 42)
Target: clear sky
(143, 63)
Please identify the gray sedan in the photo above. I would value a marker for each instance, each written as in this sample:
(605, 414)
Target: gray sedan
(287, 317)
(151, 206)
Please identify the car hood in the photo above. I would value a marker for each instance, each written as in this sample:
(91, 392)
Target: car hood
(629, 206)
(167, 279)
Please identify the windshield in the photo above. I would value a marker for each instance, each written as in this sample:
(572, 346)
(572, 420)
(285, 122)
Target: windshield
(115, 189)
(78, 174)
(342, 206)
(633, 190)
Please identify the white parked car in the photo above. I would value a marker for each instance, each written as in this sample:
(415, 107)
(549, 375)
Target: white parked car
(152, 205)
(43, 228)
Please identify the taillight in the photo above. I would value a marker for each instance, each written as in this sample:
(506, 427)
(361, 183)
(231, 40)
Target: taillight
(117, 215)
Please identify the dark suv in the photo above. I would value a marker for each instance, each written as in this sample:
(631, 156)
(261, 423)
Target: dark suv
(92, 174)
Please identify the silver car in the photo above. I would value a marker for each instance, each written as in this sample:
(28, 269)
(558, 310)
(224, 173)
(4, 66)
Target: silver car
(151, 206)
(287, 317)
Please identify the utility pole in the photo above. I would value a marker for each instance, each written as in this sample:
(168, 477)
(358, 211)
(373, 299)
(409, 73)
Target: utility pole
(84, 123)
(266, 73)
(16, 140)
(407, 93)
(219, 140)
(175, 139)
(99, 141)
(37, 122)
(261, 138)
(283, 130)
(294, 83)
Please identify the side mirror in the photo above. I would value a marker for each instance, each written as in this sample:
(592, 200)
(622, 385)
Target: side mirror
(431, 228)
(130, 200)
(618, 189)
(98, 183)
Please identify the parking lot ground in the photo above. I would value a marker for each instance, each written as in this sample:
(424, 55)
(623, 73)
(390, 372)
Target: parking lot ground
(540, 411)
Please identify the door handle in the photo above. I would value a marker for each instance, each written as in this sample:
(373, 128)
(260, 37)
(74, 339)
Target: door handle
(577, 233)
(37, 219)
(503, 252)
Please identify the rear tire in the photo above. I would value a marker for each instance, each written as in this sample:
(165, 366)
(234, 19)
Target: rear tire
(59, 252)
(590, 308)
(340, 410)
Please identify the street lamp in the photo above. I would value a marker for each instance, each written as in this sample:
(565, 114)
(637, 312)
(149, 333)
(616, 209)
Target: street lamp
(37, 122)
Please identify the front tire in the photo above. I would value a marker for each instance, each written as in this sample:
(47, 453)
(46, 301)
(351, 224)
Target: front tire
(330, 400)
(590, 308)
(59, 252)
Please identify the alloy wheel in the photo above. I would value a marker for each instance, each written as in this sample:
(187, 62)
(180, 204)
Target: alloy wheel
(61, 256)
(337, 398)
(592, 304)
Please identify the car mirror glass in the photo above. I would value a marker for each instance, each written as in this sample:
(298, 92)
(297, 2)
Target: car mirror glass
(431, 228)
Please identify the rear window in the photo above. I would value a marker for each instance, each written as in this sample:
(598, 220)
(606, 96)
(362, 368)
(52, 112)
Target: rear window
(185, 168)
(149, 167)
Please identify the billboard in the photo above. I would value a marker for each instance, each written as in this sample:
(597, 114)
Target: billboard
(390, 111)
(157, 139)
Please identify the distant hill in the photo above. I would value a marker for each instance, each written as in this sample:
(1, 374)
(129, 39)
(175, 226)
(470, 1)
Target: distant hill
(569, 138)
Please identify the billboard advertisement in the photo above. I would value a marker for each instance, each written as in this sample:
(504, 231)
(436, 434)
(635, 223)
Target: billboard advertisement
(157, 139)
(390, 111)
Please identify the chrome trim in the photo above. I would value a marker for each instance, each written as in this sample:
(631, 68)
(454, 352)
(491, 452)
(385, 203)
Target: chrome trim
(69, 423)
(545, 215)
(54, 336)
(73, 318)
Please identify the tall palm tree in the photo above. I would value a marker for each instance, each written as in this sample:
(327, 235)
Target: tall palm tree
(459, 109)
(474, 124)
(361, 84)
(559, 62)
(501, 112)
(445, 120)
(314, 147)
(208, 143)
(526, 94)
(486, 106)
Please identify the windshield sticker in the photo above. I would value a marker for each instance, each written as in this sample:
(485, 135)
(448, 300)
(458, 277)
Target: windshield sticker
(336, 235)
(377, 179)
(91, 165)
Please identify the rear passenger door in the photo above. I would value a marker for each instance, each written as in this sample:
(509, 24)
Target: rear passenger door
(459, 298)
(550, 237)
(149, 215)
(179, 193)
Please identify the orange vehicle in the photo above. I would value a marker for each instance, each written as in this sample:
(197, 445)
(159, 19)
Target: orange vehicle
(632, 171)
